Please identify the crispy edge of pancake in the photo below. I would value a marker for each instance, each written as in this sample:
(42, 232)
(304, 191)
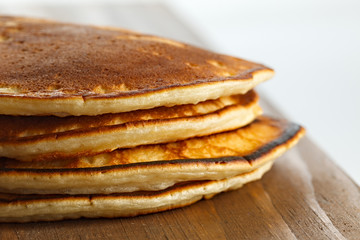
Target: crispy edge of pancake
(144, 175)
(170, 96)
(20, 208)
(91, 141)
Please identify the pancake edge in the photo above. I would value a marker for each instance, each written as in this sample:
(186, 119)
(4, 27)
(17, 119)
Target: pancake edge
(70, 144)
(120, 205)
(196, 92)
(122, 176)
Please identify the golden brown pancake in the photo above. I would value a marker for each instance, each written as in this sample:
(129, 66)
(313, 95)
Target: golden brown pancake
(26, 208)
(52, 68)
(47, 137)
(155, 167)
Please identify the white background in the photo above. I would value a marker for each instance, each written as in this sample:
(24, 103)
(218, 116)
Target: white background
(314, 46)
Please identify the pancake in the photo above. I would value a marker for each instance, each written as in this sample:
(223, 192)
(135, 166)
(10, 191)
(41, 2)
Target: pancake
(52, 68)
(29, 138)
(26, 208)
(155, 167)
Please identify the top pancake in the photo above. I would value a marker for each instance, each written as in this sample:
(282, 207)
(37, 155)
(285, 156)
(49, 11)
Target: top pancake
(51, 68)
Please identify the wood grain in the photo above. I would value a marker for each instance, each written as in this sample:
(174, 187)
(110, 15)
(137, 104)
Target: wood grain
(304, 196)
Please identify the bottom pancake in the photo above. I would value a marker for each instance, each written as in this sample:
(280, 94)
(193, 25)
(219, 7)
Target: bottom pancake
(26, 208)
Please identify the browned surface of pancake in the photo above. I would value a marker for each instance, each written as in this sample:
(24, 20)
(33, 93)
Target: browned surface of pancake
(246, 143)
(54, 60)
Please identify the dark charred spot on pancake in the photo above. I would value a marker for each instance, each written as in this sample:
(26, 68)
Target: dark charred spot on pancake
(292, 130)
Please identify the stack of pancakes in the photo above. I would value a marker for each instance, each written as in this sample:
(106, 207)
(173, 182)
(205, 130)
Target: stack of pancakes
(102, 122)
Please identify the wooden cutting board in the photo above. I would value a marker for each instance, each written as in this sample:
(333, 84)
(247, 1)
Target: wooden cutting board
(304, 196)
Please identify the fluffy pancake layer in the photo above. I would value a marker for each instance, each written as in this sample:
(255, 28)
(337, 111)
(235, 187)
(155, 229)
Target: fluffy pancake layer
(29, 138)
(26, 208)
(51, 68)
(155, 167)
